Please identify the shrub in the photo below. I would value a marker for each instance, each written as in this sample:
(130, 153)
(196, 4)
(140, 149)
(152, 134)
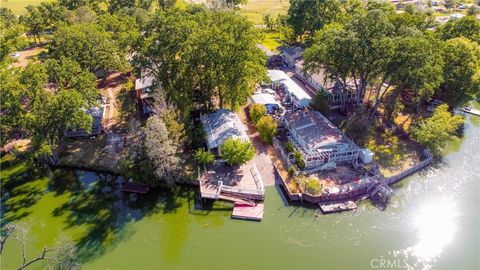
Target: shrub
(256, 112)
(267, 127)
(204, 157)
(291, 171)
(236, 151)
(289, 147)
(311, 185)
(299, 160)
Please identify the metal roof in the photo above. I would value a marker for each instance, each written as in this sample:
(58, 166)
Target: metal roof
(264, 99)
(221, 126)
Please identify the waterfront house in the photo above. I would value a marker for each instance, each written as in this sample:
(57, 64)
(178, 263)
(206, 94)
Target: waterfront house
(290, 55)
(338, 94)
(294, 93)
(321, 144)
(220, 126)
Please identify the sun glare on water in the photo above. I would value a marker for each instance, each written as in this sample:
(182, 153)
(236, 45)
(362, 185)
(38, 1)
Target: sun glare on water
(435, 227)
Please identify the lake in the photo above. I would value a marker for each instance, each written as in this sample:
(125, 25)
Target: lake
(432, 222)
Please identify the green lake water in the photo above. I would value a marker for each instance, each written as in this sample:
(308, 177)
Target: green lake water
(432, 222)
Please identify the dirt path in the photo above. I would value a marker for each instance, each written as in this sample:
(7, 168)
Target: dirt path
(262, 158)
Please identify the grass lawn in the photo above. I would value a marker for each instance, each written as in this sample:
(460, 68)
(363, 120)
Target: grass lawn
(272, 40)
(18, 6)
(255, 9)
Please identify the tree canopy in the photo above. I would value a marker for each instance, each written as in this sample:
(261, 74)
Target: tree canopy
(237, 151)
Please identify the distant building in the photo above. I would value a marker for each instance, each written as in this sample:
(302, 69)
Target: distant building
(290, 55)
(321, 144)
(97, 126)
(339, 95)
(221, 126)
(295, 94)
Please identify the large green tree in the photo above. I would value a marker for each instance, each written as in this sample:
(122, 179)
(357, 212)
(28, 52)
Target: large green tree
(203, 59)
(436, 130)
(307, 16)
(88, 44)
(11, 35)
(461, 72)
(237, 151)
(467, 26)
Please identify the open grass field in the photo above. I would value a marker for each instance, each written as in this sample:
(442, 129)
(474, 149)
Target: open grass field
(18, 6)
(254, 10)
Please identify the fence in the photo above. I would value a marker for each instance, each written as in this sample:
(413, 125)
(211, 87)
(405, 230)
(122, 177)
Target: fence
(424, 163)
(281, 153)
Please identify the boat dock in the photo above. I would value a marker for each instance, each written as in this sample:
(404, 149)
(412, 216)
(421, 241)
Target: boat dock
(471, 111)
(328, 208)
(248, 211)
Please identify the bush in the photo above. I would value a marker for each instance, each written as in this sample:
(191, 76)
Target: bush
(204, 157)
(299, 160)
(291, 171)
(311, 185)
(289, 147)
(267, 127)
(236, 151)
(256, 112)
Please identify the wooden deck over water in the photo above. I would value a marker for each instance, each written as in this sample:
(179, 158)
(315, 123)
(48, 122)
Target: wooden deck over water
(328, 208)
(248, 212)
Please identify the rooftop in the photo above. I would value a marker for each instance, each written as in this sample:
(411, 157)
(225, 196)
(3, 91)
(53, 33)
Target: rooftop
(315, 129)
(144, 82)
(291, 86)
(293, 50)
(264, 99)
(221, 126)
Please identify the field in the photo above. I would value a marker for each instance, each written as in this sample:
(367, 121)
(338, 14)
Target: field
(254, 10)
(18, 6)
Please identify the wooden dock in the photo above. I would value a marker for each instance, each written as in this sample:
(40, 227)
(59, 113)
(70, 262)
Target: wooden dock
(328, 208)
(471, 111)
(248, 212)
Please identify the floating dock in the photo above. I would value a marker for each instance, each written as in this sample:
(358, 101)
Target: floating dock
(328, 208)
(248, 212)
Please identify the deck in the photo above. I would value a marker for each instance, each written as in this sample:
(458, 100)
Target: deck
(328, 208)
(248, 212)
(471, 111)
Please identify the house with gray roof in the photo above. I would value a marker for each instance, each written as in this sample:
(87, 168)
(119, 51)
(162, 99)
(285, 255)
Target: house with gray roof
(220, 126)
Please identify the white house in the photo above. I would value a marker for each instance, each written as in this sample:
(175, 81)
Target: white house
(295, 93)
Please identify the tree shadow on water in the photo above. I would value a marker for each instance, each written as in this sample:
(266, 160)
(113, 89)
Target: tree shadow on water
(106, 212)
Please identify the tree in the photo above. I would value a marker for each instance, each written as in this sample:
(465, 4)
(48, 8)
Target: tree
(311, 185)
(35, 23)
(162, 152)
(307, 16)
(84, 14)
(461, 72)
(267, 127)
(123, 29)
(237, 151)
(321, 103)
(210, 55)
(436, 130)
(10, 101)
(60, 256)
(204, 157)
(256, 112)
(11, 37)
(410, 8)
(89, 45)
(69, 75)
(269, 22)
(467, 26)
(357, 50)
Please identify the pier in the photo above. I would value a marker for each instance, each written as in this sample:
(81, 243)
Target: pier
(470, 111)
(328, 208)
